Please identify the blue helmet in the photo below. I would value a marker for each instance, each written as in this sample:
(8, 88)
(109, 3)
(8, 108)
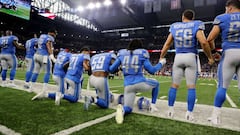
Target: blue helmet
(143, 103)
(120, 99)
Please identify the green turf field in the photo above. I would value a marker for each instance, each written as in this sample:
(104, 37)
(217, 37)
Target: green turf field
(41, 117)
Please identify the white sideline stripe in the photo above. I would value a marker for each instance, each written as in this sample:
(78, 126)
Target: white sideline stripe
(114, 90)
(84, 125)
(138, 93)
(7, 131)
(116, 86)
(162, 97)
(229, 99)
(210, 84)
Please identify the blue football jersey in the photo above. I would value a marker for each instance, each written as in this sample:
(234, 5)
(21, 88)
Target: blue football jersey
(102, 61)
(30, 47)
(42, 44)
(230, 28)
(6, 42)
(132, 65)
(75, 69)
(184, 34)
(62, 58)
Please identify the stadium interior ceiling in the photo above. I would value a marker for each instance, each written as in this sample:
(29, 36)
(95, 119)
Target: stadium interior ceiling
(145, 20)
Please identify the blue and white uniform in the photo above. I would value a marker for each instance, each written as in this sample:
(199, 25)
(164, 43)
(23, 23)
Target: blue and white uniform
(30, 51)
(41, 58)
(7, 56)
(134, 81)
(185, 61)
(101, 63)
(58, 71)
(73, 76)
(229, 25)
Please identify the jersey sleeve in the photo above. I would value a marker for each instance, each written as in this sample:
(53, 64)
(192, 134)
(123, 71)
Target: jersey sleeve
(217, 20)
(201, 25)
(113, 56)
(15, 38)
(145, 54)
(86, 57)
(50, 38)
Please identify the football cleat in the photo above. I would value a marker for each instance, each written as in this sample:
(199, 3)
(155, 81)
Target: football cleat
(58, 97)
(189, 116)
(4, 84)
(153, 108)
(39, 95)
(12, 85)
(170, 112)
(119, 114)
(214, 120)
(87, 102)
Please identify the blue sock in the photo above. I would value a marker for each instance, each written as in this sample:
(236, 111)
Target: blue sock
(155, 92)
(102, 103)
(28, 76)
(127, 110)
(172, 96)
(191, 99)
(46, 77)
(4, 75)
(12, 74)
(52, 95)
(34, 77)
(220, 97)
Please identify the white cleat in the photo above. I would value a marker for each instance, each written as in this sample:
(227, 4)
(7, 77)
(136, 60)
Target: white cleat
(214, 120)
(170, 112)
(39, 95)
(4, 84)
(12, 85)
(58, 97)
(153, 108)
(119, 114)
(87, 102)
(189, 116)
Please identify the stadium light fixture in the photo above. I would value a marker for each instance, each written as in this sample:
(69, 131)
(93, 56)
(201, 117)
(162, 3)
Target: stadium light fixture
(80, 8)
(107, 3)
(123, 2)
(91, 6)
(98, 5)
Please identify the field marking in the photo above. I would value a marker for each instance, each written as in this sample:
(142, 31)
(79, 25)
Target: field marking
(116, 86)
(210, 84)
(84, 125)
(114, 91)
(230, 101)
(7, 131)
(162, 97)
(139, 93)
